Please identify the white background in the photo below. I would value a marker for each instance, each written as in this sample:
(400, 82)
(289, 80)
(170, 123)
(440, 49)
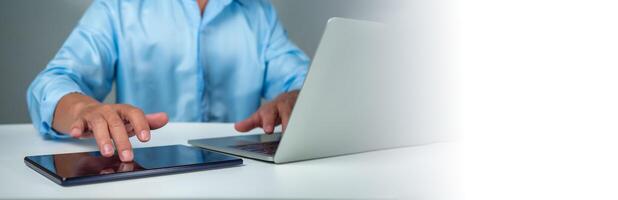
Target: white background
(538, 98)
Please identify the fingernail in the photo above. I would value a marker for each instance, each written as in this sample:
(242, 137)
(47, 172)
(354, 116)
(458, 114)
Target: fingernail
(269, 128)
(144, 135)
(108, 149)
(127, 155)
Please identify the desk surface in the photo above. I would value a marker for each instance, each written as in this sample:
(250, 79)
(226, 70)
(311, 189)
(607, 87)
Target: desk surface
(403, 173)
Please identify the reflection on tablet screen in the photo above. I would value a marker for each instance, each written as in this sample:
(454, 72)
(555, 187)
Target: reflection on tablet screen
(93, 163)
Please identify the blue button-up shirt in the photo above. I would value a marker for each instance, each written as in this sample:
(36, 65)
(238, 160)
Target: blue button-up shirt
(165, 56)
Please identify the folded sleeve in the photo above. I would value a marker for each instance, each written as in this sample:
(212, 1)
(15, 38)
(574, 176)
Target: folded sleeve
(84, 64)
(286, 64)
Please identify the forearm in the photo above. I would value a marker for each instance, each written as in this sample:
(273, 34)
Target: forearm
(68, 109)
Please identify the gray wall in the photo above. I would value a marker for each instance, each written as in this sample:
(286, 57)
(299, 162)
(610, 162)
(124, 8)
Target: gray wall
(305, 19)
(33, 30)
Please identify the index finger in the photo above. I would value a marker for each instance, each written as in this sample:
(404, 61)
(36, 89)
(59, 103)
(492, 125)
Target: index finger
(248, 124)
(119, 135)
(138, 121)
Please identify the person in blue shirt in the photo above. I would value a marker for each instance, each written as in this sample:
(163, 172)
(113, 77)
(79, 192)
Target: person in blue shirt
(177, 60)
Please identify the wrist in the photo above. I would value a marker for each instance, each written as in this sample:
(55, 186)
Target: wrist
(69, 109)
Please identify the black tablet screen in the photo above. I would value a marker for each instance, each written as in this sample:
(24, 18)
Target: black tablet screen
(93, 163)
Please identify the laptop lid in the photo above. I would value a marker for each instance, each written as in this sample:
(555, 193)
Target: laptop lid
(361, 94)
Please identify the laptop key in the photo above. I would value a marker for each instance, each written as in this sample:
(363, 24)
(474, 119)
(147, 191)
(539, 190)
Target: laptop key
(268, 148)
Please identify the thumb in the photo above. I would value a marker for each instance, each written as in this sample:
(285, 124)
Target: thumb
(157, 120)
(77, 129)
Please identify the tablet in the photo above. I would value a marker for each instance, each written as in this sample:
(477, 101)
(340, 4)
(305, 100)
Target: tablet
(91, 167)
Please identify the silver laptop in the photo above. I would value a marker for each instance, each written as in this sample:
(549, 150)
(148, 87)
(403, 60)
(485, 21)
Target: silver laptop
(360, 95)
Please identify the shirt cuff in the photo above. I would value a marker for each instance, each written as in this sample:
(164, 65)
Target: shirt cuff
(297, 83)
(48, 107)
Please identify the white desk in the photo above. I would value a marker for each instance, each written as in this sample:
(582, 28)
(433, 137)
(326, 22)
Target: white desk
(421, 172)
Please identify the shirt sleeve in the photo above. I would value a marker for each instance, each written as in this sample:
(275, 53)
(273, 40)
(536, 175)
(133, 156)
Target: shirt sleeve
(84, 64)
(286, 64)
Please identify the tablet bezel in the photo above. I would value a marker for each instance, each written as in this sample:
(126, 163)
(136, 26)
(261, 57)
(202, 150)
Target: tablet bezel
(233, 161)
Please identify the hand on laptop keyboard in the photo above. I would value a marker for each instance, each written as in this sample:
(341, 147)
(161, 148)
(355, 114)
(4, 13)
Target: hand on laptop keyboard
(270, 114)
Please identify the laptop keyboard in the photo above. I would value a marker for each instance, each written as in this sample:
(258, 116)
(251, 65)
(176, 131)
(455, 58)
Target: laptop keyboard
(268, 148)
